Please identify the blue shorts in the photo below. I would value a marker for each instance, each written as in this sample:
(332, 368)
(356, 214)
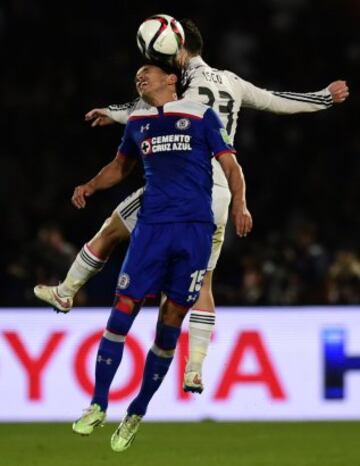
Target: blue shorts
(167, 257)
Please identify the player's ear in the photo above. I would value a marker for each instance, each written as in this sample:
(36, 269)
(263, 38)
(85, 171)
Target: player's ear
(172, 78)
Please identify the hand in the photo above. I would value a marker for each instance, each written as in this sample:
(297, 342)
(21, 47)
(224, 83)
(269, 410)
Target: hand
(80, 194)
(339, 91)
(242, 220)
(99, 117)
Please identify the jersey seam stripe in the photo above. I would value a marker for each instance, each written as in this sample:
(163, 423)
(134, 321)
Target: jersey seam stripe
(126, 106)
(319, 101)
(306, 95)
(303, 97)
(308, 101)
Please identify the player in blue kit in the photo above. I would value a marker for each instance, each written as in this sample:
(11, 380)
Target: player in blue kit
(171, 243)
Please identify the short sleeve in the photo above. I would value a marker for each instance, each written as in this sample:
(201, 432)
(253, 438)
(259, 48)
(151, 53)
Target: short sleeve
(127, 147)
(216, 136)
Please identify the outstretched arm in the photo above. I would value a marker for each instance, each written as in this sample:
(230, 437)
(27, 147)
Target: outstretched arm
(291, 102)
(110, 175)
(241, 216)
(116, 113)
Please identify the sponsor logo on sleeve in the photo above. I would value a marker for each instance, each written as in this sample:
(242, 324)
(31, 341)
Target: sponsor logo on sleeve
(225, 136)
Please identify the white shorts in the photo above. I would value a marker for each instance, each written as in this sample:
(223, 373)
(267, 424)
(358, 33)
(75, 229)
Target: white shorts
(128, 210)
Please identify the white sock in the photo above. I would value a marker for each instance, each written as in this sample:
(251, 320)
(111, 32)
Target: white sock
(85, 266)
(200, 331)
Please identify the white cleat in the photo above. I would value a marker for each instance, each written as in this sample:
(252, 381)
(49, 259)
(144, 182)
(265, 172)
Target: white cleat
(192, 382)
(50, 295)
(125, 434)
(92, 417)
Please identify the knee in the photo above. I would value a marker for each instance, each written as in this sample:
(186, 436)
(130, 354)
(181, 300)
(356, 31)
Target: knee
(173, 314)
(122, 315)
(166, 337)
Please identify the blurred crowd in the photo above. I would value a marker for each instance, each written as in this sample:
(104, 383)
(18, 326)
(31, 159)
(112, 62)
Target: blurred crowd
(303, 172)
(290, 269)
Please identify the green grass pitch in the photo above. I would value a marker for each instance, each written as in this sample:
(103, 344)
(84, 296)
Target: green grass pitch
(186, 444)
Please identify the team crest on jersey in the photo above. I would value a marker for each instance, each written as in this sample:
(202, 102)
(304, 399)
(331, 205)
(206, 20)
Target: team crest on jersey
(183, 123)
(124, 281)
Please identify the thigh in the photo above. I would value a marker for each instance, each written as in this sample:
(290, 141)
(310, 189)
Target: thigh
(216, 246)
(144, 267)
(221, 198)
(128, 209)
(190, 255)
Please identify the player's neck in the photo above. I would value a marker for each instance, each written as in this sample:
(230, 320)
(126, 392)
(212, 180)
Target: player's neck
(161, 99)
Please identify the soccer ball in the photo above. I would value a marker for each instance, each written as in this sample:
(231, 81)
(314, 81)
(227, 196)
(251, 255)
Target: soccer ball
(160, 37)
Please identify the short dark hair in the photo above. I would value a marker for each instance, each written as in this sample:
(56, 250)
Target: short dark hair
(170, 68)
(193, 39)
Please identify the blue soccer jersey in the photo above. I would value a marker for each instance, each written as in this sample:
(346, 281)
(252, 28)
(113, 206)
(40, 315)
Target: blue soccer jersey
(176, 143)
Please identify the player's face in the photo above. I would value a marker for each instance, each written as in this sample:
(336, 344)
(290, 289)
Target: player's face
(150, 80)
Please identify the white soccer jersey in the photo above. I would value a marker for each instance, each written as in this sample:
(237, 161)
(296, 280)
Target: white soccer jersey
(227, 93)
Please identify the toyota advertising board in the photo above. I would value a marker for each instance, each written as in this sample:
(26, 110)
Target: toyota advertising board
(263, 364)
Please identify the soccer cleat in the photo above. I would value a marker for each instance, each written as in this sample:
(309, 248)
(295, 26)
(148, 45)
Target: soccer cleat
(50, 295)
(124, 435)
(92, 417)
(192, 382)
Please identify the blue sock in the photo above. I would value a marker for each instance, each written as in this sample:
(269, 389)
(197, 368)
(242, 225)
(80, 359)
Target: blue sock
(110, 354)
(157, 364)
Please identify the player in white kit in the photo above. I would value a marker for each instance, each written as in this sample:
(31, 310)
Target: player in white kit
(226, 93)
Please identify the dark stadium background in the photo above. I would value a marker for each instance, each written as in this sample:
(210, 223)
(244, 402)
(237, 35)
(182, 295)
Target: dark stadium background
(59, 60)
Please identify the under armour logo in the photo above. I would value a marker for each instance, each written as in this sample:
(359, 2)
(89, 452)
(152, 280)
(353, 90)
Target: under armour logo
(145, 127)
(107, 361)
(157, 377)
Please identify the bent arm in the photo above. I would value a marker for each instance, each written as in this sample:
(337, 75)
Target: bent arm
(121, 112)
(116, 113)
(112, 173)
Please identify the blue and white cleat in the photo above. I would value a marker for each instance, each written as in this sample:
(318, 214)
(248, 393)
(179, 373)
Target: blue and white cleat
(124, 435)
